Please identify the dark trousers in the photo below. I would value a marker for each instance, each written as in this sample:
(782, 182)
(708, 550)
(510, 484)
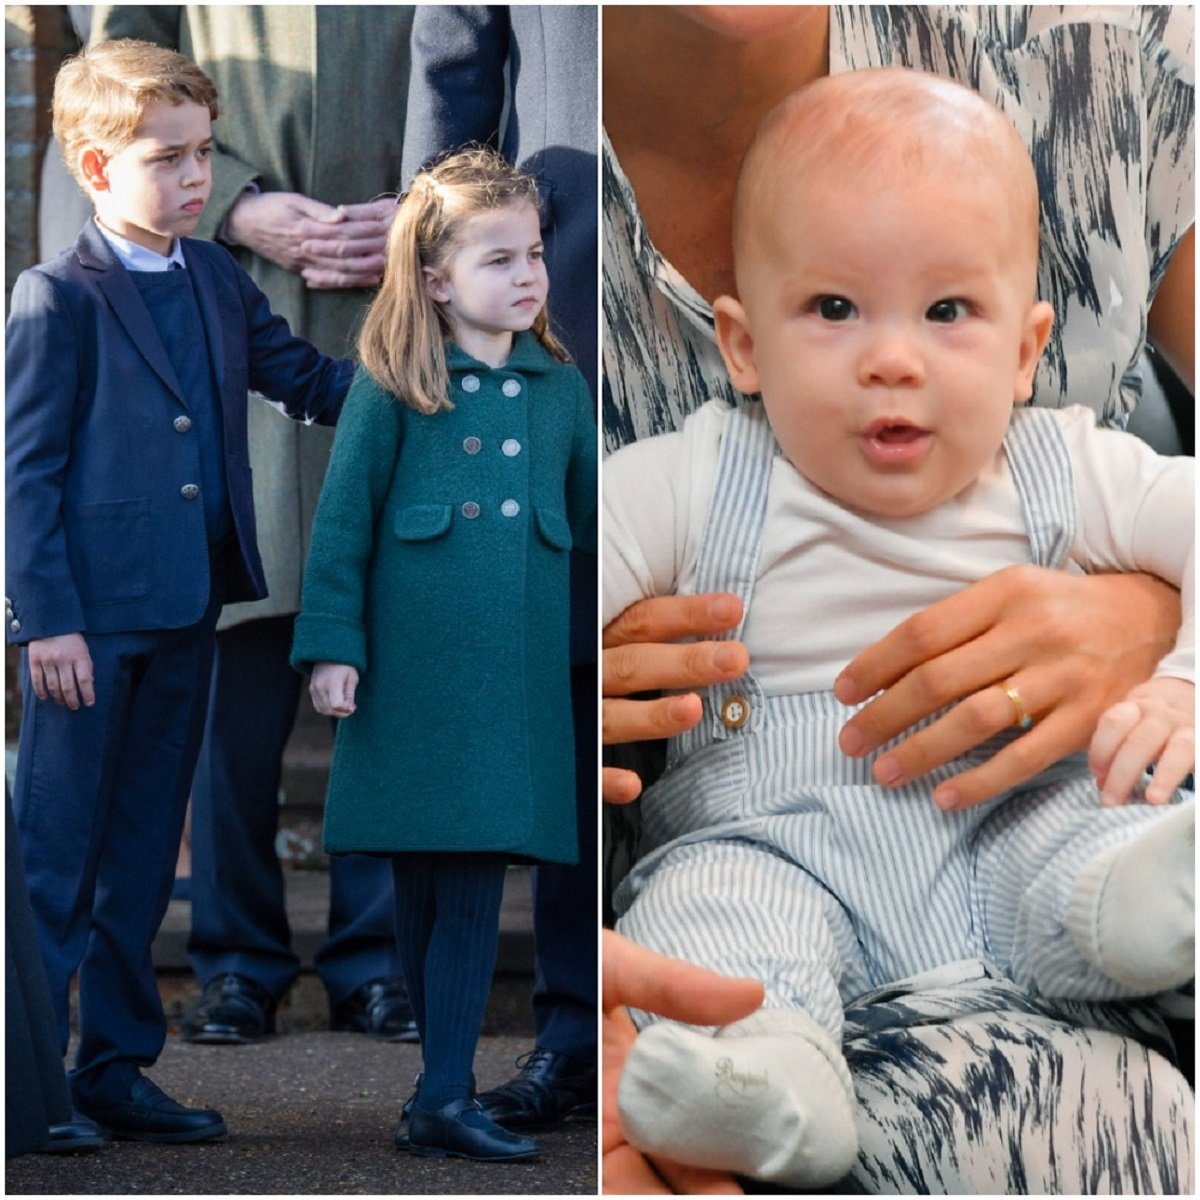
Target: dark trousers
(239, 916)
(565, 917)
(99, 799)
(447, 931)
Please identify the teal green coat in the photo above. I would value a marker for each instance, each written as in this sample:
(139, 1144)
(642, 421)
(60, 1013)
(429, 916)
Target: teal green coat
(438, 568)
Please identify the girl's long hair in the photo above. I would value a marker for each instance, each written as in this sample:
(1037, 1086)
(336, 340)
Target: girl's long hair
(402, 344)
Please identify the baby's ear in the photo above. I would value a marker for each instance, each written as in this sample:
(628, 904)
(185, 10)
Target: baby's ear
(1035, 333)
(736, 343)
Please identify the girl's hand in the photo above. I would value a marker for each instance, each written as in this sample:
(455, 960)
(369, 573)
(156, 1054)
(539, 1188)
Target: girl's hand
(332, 689)
(1155, 723)
(1072, 645)
(636, 659)
(640, 978)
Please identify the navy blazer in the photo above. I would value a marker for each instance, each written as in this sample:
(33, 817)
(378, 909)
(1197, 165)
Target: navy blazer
(105, 529)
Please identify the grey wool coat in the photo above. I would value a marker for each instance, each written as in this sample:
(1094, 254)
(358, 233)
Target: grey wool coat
(438, 569)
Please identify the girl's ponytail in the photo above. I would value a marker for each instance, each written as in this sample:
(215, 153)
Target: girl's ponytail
(402, 344)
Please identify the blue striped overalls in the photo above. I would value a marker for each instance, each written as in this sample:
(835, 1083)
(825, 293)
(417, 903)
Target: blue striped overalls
(773, 855)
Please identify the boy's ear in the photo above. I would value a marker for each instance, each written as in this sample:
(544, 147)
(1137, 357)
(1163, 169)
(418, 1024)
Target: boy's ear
(736, 343)
(435, 284)
(93, 166)
(1034, 335)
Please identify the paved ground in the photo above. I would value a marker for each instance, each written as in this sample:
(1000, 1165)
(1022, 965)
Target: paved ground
(308, 1114)
(312, 1112)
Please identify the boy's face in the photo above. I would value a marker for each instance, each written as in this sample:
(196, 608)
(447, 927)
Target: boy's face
(890, 329)
(154, 189)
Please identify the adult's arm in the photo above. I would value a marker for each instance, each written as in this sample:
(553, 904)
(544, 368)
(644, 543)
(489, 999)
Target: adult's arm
(1171, 325)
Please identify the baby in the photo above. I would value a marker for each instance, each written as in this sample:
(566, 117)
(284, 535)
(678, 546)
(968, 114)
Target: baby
(886, 236)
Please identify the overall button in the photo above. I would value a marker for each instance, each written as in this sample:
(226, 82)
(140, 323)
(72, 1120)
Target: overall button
(470, 383)
(510, 508)
(472, 445)
(190, 491)
(470, 510)
(735, 712)
(510, 387)
(182, 424)
(510, 447)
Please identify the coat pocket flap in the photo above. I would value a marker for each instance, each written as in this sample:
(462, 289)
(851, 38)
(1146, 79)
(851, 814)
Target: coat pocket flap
(422, 522)
(554, 528)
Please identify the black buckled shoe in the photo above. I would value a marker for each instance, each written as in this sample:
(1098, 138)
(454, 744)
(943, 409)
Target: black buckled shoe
(400, 1137)
(77, 1134)
(550, 1090)
(379, 1008)
(148, 1114)
(460, 1130)
(233, 1010)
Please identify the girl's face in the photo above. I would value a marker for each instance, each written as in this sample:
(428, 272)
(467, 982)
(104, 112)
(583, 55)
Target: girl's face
(493, 284)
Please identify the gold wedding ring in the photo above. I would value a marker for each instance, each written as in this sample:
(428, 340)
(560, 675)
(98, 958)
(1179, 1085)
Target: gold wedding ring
(1021, 718)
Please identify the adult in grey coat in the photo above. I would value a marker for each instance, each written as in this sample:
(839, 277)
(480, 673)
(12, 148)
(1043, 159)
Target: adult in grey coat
(540, 113)
(311, 130)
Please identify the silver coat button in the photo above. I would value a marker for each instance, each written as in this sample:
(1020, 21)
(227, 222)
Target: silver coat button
(472, 445)
(510, 387)
(15, 626)
(510, 447)
(470, 383)
(470, 510)
(189, 491)
(510, 508)
(182, 424)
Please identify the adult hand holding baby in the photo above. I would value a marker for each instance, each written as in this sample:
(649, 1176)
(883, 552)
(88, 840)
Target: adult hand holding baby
(331, 246)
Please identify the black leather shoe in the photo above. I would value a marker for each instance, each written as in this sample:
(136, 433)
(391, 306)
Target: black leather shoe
(460, 1130)
(234, 1010)
(150, 1115)
(550, 1090)
(78, 1133)
(400, 1137)
(379, 1008)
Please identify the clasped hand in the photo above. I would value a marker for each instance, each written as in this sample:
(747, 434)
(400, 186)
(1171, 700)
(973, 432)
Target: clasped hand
(329, 246)
(332, 687)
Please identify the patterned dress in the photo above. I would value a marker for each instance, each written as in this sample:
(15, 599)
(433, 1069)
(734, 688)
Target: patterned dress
(965, 1083)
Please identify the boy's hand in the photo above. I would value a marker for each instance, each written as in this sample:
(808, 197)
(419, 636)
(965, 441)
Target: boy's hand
(61, 668)
(332, 689)
(1155, 723)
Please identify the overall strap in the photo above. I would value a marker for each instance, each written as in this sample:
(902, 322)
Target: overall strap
(1041, 467)
(729, 552)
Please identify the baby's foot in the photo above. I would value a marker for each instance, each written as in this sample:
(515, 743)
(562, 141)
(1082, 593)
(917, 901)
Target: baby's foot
(776, 1106)
(1132, 912)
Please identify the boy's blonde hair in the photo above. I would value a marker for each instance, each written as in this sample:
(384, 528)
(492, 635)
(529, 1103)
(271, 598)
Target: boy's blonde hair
(402, 344)
(101, 95)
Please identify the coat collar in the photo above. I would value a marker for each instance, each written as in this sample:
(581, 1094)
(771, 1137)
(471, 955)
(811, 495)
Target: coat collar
(528, 356)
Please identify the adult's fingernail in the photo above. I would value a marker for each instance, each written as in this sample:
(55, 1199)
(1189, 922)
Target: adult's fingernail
(722, 608)
(845, 689)
(851, 741)
(887, 771)
(945, 798)
(725, 658)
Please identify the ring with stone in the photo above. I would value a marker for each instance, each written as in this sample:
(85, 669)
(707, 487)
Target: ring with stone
(1021, 717)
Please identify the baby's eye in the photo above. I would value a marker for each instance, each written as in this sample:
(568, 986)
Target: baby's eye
(833, 308)
(946, 312)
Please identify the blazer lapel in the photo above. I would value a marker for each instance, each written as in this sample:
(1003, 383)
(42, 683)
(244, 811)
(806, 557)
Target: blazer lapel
(127, 304)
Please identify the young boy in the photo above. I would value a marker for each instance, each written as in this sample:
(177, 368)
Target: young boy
(129, 523)
(886, 245)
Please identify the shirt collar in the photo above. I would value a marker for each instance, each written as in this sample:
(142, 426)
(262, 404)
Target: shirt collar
(137, 258)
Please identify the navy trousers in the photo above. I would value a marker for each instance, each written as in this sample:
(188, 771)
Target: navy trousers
(99, 799)
(239, 917)
(565, 916)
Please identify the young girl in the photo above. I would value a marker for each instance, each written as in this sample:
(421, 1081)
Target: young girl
(435, 604)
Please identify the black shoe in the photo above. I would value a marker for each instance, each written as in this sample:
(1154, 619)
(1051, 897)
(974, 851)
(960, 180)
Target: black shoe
(234, 1010)
(550, 1090)
(460, 1130)
(78, 1133)
(379, 1008)
(150, 1115)
(400, 1137)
